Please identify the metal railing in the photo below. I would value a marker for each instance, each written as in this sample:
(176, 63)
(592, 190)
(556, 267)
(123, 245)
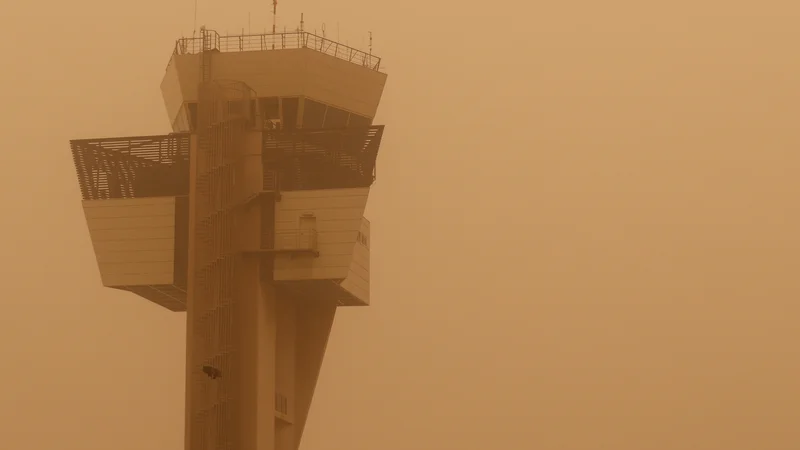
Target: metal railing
(131, 167)
(278, 41)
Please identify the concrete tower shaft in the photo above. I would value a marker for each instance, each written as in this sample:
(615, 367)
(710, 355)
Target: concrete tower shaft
(249, 217)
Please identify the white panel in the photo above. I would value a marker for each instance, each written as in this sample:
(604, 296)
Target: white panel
(339, 217)
(357, 281)
(129, 204)
(171, 91)
(146, 220)
(115, 209)
(113, 279)
(128, 245)
(344, 84)
(128, 234)
(303, 71)
(133, 239)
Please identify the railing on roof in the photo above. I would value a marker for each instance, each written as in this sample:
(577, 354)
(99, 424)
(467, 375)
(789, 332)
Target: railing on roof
(278, 41)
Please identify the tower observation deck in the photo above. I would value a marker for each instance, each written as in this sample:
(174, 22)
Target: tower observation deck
(248, 216)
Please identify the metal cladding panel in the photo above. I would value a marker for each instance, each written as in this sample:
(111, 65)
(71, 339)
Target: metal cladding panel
(337, 216)
(171, 91)
(357, 281)
(133, 239)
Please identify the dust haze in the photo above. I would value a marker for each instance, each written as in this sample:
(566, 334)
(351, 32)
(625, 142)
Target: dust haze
(585, 230)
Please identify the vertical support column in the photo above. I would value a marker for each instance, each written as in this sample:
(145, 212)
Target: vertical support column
(256, 335)
(190, 290)
(266, 359)
(285, 374)
(314, 322)
(301, 107)
(219, 307)
(259, 321)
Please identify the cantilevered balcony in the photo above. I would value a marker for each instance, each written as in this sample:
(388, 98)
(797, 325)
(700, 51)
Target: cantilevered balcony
(135, 201)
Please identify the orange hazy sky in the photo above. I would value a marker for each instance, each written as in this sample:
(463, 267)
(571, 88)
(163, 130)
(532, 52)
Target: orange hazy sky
(585, 229)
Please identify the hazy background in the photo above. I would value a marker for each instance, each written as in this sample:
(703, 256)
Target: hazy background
(585, 228)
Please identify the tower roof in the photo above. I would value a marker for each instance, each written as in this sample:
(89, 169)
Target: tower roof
(297, 64)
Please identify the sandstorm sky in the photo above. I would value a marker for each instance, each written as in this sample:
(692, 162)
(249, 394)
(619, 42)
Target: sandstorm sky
(585, 229)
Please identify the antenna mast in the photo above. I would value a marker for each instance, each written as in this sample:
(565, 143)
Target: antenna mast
(274, 14)
(194, 24)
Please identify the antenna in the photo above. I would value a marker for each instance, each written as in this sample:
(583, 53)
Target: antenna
(370, 49)
(194, 24)
(323, 31)
(274, 14)
(301, 22)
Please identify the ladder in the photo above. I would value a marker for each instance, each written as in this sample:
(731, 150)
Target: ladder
(205, 54)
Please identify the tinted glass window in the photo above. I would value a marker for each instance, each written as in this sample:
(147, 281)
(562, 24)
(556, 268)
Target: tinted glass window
(313, 114)
(289, 106)
(357, 121)
(268, 108)
(335, 118)
(192, 109)
(236, 108)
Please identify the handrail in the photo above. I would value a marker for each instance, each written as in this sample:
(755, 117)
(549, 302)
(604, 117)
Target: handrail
(278, 41)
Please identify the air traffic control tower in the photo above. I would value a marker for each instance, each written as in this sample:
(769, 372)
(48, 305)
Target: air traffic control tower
(248, 216)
